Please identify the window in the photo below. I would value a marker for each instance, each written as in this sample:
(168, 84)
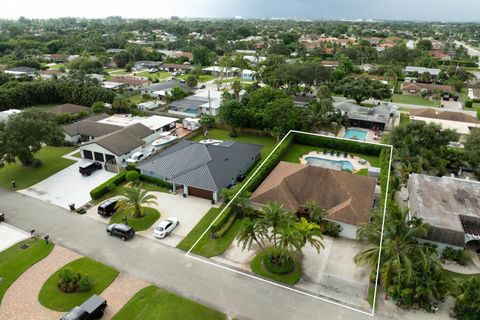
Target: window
(99, 157)
(87, 154)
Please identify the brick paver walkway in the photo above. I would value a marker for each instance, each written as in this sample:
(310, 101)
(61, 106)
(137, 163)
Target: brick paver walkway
(119, 292)
(21, 299)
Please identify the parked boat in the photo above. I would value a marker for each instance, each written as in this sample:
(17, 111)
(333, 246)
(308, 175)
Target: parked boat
(164, 140)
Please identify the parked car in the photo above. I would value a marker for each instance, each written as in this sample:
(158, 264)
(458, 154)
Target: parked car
(165, 227)
(92, 309)
(107, 208)
(87, 168)
(121, 230)
(137, 156)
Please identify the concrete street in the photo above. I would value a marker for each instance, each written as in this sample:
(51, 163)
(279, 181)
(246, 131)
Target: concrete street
(167, 267)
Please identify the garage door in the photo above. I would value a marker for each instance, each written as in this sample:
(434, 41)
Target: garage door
(201, 193)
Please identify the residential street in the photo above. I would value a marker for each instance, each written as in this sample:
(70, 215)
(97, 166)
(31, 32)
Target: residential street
(167, 267)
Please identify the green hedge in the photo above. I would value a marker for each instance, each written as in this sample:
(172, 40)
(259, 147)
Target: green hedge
(222, 225)
(156, 181)
(338, 144)
(104, 187)
(269, 165)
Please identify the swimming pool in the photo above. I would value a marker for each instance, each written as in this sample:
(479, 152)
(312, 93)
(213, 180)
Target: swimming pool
(355, 134)
(316, 161)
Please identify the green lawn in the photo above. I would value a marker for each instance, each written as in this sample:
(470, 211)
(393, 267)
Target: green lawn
(157, 75)
(14, 261)
(139, 224)
(289, 278)
(101, 275)
(52, 161)
(400, 98)
(404, 118)
(136, 98)
(208, 247)
(153, 303)
(297, 150)
(371, 294)
(57, 66)
(199, 228)
(201, 79)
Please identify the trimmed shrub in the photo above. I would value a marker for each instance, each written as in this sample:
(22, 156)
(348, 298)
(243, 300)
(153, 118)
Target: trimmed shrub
(104, 188)
(132, 176)
(459, 256)
(468, 104)
(69, 282)
(330, 228)
(156, 181)
(283, 268)
(222, 225)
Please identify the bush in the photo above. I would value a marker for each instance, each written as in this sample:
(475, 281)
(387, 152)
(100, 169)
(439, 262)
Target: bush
(111, 187)
(69, 282)
(36, 163)
(132, 176)
(468, 104)
(282, 268)
(222, 225)
(104, 188)
(330, 228)
(459, 256)
(156, 181)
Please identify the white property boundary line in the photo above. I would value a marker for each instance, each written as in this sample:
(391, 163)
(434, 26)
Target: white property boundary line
(208, 261)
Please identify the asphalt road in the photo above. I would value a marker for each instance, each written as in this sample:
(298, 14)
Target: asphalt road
(227, 291)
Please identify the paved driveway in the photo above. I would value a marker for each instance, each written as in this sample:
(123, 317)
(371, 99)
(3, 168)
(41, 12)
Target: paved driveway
(9, 235)
(67, 186)
(188, 210)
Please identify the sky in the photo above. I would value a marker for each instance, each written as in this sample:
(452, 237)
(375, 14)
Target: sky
(425, 10)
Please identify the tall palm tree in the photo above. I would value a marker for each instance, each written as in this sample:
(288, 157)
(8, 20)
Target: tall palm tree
(274, 216)
(251, 231)
(310, 233)
(134, 199)
(314, 211)
(236, 87)
(400, 247)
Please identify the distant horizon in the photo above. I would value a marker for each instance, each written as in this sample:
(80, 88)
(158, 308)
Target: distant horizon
(334, 10)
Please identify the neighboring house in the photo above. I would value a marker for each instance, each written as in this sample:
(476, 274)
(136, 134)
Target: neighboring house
(379, 117)
(131, 83)
(413, 71)
(55, 58)
(114, 50)
(88, 129)
(367, 67)
(347, 198)
(191, 124)
(450, 206)
(4, 115)
(248, 75)
(141, 65)
(20, 72)
(149, 105)
(459, 121)
(202, 170)
(222, 71)
(118, 146)
(160, 90)
(474, 94)
(112, 85)
(175, 67)
(254, 60)
(416, 88)
(69, 108)
(330, 64)
(382, 46)
(440, 55)
(202, 103)
(50, 73)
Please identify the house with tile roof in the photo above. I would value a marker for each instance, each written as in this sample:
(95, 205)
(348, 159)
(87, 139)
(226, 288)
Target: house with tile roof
(347, 198)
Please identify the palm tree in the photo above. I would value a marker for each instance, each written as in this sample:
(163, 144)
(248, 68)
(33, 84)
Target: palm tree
(400, 247)
(274, 216)
(251, 231)
(314, 211)
(237, 87)
(310, 233)
(134, 199)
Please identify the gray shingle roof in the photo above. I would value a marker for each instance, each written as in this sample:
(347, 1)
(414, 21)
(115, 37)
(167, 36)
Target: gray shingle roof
(202, 166)
(90, 127)
(167, 85)
(378, 114)
(124, 140)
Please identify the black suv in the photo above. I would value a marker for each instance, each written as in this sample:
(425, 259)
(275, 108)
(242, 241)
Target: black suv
(92, 309)
(107, 208)
(121, 230)
(86, 169)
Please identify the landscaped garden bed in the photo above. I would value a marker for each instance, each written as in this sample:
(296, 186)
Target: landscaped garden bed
(289, 273)
(100, 276)
(138, 223)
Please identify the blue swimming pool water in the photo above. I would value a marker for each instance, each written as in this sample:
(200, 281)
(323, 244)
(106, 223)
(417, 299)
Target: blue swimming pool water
(356, 134)
(346, 165)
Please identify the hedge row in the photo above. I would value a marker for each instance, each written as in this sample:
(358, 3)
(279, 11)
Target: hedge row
(104, 188)
(338, 144)
(222, 225)
(156, 181)
(269, 165)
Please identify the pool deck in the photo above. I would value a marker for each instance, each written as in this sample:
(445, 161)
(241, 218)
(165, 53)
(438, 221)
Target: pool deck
(355, 160)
